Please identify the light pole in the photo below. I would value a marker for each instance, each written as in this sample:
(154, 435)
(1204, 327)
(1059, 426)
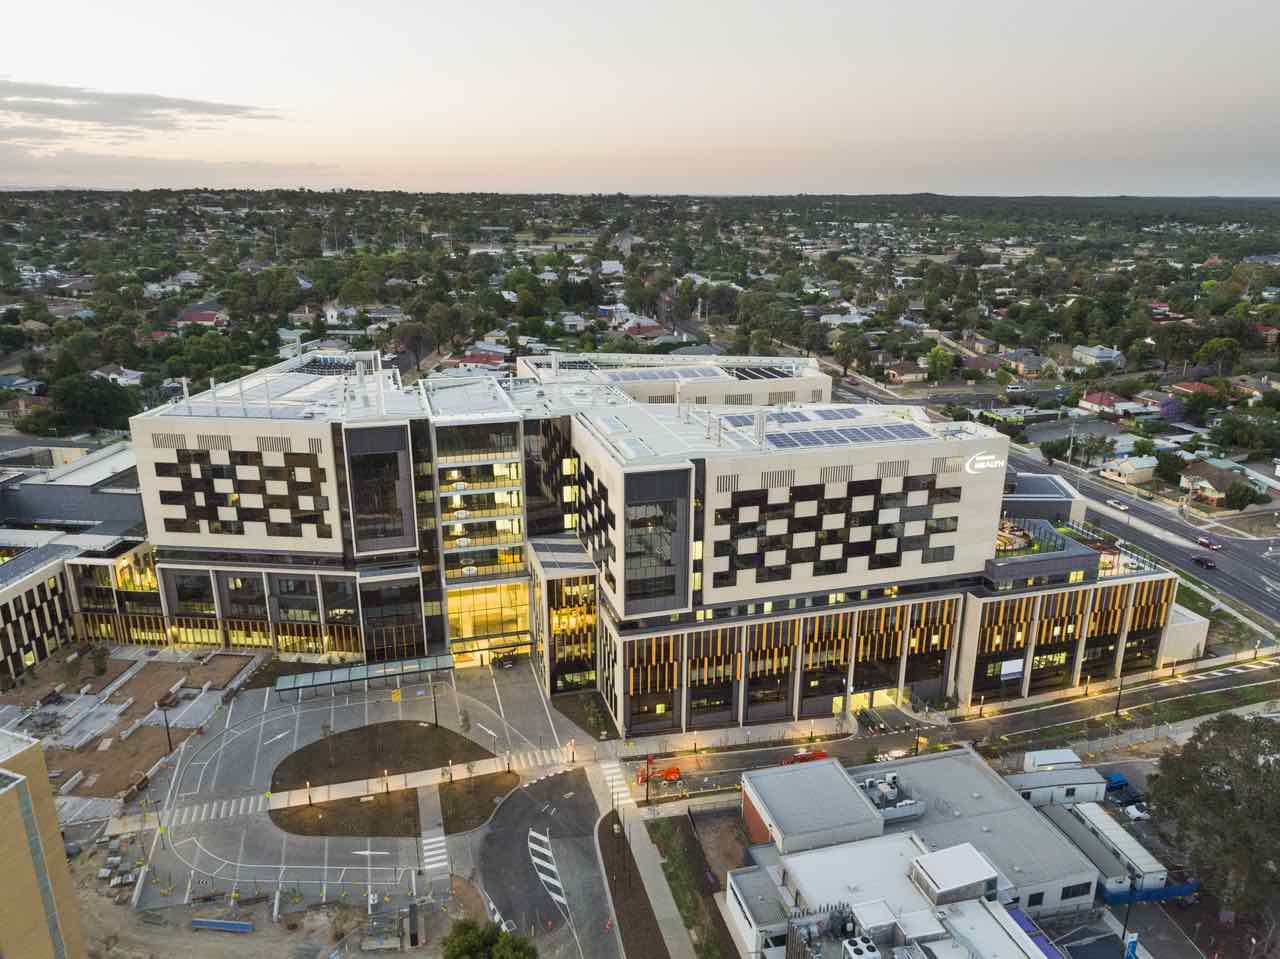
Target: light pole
(309, 802)
(1124, 934)
(1119, 691)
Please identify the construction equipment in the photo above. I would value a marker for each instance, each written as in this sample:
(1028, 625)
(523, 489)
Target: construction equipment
(669, 775)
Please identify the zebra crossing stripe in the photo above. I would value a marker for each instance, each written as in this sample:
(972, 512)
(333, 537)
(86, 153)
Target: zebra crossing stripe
(551, 879)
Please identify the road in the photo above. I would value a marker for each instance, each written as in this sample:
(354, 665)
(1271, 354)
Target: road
(1247, 569)
(539, 869)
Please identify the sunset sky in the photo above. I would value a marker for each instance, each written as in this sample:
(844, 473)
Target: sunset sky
(993, 97)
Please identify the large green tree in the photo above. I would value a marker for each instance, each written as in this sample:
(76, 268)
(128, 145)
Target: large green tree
(1220, 796)
(84, 402)
(468, 939)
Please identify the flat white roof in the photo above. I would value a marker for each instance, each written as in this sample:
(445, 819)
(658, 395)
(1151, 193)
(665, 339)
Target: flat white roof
(810, 797)
(1105, 825)
(956, 866)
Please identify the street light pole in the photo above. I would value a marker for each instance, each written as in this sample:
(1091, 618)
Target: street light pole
(165, 712)
(1119, 691)
(1124, 934)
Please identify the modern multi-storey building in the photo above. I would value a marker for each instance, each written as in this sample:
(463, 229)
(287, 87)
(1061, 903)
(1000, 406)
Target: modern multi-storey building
(39, 916)
(706, 541)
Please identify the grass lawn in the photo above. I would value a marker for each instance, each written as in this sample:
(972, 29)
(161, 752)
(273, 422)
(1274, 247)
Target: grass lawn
(692, 886)
(1196, 602)
(468, 803)
(389, 814)
(401, 746)
(586, 711)
(637, 925)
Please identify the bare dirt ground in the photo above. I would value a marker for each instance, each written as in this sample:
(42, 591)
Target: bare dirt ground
(723, 840)
(51, 674)
(146, 689)
(218, 671)
(1259, 524)
(119, 765)
(117, 932)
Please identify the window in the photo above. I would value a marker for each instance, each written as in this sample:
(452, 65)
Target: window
(1035, 899)
(1078, 890)
(1071, 791)
(1026, 794)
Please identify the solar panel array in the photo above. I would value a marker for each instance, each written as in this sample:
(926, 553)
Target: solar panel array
(846, 436)
(798, 416)
(665, 373)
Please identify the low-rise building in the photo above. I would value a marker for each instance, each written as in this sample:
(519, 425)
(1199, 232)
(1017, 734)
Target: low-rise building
(1087, 356)
(1132, 471)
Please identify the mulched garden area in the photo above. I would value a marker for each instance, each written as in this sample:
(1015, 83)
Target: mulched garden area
(693, 886)
(468, 803)
(586, 710)
(388, 814)
(267, 674)
(399, 746)
(637, 924)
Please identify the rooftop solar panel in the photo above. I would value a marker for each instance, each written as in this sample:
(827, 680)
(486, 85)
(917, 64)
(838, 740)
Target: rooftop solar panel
(738, 419)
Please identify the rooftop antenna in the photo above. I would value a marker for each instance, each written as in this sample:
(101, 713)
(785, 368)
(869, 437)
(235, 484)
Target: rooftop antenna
(266, 387)
(762, 426)
(244, 410)
(213, 392)
(186, 392)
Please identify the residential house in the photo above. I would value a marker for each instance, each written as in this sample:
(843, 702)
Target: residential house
(208, 314)
(23, 384)
(1131, 471)
(906, 372)
(611, 268)
(1096, 355)
(1028, 363)
(1207, 482)
(986, 365)
(1190, 388)
(1101, 401)
(1166, 404)
(21, 406)
(1271, 294)
(979, 343)
(119, 375)
(573, 322)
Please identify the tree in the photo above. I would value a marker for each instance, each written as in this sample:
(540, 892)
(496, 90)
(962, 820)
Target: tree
(1241, 494)
(416, 338)
(468, 939)
(87, 402)
(1054, 450)
(99, 656)
(1220, 795)
(1144, 447)
(940, 363)
(1003, 377)
(1221, 351)
(1169, 467)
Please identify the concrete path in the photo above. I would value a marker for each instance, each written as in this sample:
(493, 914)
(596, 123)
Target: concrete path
(608, 789)
(434, 845)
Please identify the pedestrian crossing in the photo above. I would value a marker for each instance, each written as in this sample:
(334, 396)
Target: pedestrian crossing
(193, 813)
(1236, 670)
(536, 758)
(544, 864)
(616, 780)
(435, 854)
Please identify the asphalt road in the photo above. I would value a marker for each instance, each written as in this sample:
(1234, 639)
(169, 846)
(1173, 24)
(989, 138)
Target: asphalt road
(539, 869)
(1246, 569)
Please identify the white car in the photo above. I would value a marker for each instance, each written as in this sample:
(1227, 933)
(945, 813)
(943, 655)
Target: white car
(1137, 811)
(1116, 504)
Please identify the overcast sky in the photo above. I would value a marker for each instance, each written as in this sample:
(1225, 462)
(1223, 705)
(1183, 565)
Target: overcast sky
(700, 96)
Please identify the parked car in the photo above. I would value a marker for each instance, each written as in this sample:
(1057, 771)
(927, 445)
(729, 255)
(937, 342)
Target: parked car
(1137, 811)
(1207, 543)
(1205, 562)
(1116, 504)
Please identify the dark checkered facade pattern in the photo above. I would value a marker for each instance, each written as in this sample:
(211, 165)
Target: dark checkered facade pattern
(823, 530)
(222, 512)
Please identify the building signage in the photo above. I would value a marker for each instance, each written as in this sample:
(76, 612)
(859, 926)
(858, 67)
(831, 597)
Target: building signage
(982, 463)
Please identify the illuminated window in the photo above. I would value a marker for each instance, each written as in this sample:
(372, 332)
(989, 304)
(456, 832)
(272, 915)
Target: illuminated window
(1075, 576)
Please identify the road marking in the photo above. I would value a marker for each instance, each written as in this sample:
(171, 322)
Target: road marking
(370, 852)
(276, 738)
(619, 791)
(539, 847)
(538, 686)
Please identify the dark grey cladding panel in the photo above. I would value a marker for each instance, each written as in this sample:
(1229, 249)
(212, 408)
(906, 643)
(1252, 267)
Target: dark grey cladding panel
(377, 439)
(658, 579)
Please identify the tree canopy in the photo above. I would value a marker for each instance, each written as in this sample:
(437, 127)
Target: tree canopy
(1220, 794)
(468, 939)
